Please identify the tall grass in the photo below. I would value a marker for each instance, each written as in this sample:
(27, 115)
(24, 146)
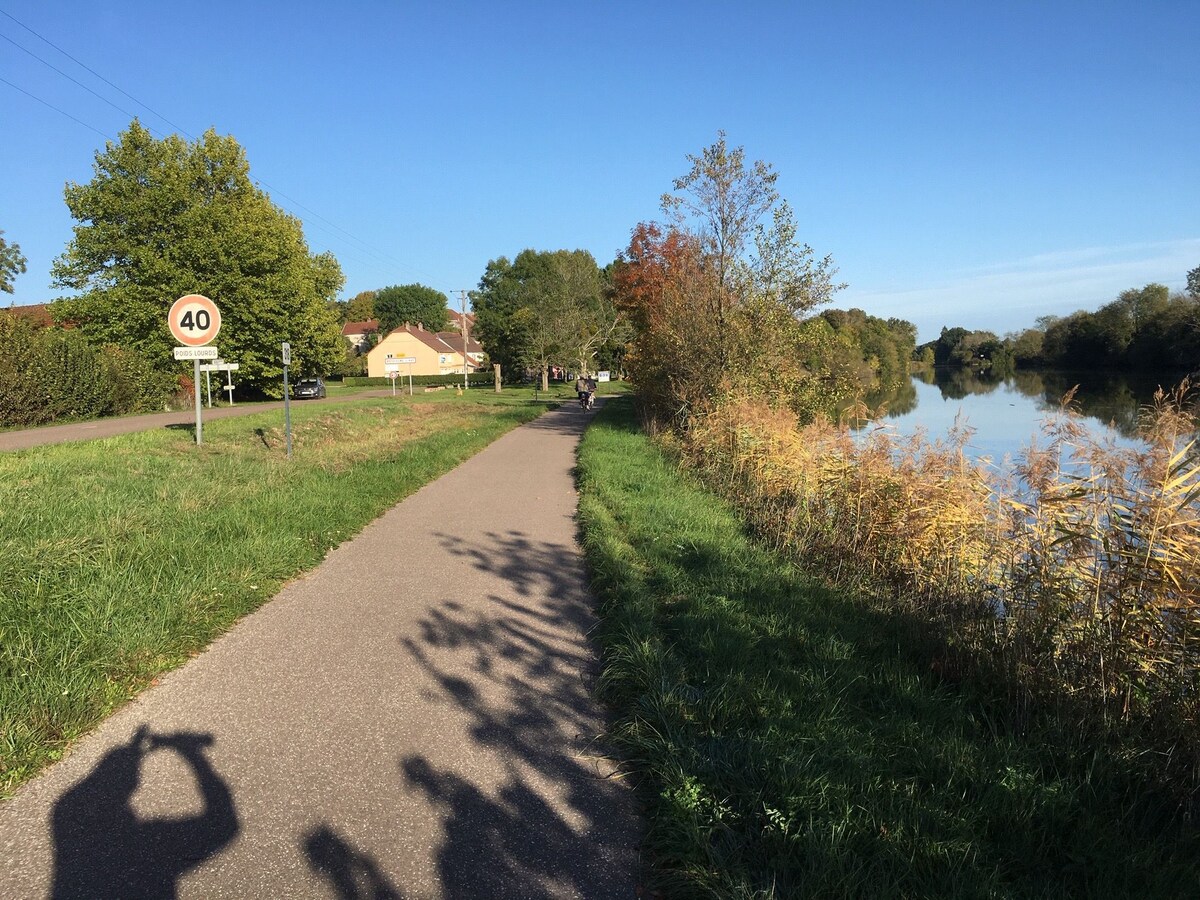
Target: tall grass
(120, 558)
(1075, 579)
(790, 740)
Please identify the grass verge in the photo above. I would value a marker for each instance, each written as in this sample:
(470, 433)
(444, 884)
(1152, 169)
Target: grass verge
(120, 558)
(790, 741)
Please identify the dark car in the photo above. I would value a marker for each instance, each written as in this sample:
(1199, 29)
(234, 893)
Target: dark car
(309, 389)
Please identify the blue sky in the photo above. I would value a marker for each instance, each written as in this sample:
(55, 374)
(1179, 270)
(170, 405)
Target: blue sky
(974, 164)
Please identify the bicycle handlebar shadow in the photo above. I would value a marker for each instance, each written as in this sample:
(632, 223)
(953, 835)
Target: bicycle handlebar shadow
(103, 849)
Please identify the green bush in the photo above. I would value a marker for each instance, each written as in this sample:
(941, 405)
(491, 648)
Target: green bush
(47, 374)
(477, 379)
(22, 402)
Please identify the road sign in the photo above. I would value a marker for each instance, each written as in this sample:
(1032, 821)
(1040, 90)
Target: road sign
(391, 367)
(194, 320)
(195, 352)
(405, 359)
(287, 353)
(218, 365)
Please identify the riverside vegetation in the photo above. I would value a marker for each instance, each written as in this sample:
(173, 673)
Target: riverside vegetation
(791, 738)
(1053, 614)
(123, 557)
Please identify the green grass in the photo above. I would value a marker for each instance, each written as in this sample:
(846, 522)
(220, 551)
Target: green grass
(120, 558)
(788, 741)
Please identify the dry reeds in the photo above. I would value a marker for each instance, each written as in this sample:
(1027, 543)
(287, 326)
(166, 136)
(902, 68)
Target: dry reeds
(1078, 573)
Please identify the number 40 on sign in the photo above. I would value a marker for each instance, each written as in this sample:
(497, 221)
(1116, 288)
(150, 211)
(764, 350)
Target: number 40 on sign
(194, 320)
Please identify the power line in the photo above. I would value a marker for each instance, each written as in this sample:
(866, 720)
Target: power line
(93, 71)
(56, 109)
(72, 80)
(364, 246)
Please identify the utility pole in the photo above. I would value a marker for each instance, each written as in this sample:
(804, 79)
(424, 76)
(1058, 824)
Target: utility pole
(462, 299)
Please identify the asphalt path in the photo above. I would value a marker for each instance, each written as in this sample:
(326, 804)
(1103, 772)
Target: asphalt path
(413, 718)
(102, 428)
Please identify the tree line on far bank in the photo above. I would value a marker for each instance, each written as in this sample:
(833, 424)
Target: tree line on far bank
(1145, 329)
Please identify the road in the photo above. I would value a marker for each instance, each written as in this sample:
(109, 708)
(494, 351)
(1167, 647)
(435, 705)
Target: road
(102, 428)
(411, 719)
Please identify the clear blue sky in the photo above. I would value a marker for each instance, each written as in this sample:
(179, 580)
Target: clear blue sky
(974, 164)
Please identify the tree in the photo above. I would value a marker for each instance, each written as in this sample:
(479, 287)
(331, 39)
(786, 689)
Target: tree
(411, 303)
(716, 298)
(164, 218)
(12, 263)
(1193, 282)
(360, 307)
(544, 308)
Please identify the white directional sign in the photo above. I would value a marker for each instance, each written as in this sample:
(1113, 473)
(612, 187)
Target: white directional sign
(219, 365)
(405, 359)
(194, 320)
(195, 352)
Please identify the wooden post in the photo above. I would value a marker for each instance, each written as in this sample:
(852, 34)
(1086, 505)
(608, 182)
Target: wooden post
(496, 369)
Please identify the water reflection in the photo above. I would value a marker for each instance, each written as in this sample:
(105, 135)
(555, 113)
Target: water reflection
(1005, 412)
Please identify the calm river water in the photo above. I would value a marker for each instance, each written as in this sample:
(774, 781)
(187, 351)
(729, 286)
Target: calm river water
(1006, 413)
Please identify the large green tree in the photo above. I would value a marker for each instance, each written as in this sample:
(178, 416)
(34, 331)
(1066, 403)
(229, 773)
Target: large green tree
(411, 303)
(12, 264)
(544, 308)
(164, 218)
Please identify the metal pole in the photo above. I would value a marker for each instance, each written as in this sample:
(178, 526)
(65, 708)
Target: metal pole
(410, 379)
(208, 387)
(462, 297)
(229, 384)
(287, 412)
(199, 420)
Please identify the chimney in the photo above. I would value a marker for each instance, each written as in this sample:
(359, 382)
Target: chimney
(420, 327)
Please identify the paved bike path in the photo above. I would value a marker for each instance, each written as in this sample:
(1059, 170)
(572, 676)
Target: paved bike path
(411, 719)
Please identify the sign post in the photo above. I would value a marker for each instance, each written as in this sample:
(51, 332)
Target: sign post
(287, 397)
(219, 365)
(194, 321)
(408, 361)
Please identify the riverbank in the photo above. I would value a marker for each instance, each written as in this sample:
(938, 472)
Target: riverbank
(791, 740)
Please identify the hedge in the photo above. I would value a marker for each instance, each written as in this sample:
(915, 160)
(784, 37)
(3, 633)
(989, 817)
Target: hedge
(476, 379)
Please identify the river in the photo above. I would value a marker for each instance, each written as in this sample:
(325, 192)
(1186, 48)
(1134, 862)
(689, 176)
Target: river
(1006, 413)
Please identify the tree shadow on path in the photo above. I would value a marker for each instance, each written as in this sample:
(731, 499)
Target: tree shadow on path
(352, 874)
(542, 817)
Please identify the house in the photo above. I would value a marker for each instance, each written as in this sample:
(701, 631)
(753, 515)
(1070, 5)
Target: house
(432, 354)
(456, 321)
(356, 333)
(37, 314)
(475, 352)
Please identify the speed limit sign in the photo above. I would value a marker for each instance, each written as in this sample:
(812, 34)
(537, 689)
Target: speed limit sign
(194, 320)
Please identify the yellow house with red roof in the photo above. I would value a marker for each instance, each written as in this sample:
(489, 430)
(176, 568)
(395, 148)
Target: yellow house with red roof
(433, 355)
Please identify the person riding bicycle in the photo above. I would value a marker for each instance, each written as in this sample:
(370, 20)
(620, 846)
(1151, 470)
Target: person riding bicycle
(591, 390)
(581, 388)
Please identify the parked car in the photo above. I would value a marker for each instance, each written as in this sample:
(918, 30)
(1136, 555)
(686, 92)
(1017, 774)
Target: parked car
(309, 389)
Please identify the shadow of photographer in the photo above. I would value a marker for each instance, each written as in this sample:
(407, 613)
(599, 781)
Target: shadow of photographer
(104, 849)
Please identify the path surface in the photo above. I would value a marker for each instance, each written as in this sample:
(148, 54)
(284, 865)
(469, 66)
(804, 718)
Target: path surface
(411, 719)
(102, 428)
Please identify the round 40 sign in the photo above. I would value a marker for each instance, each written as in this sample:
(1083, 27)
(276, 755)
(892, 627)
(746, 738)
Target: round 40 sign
(194, 320)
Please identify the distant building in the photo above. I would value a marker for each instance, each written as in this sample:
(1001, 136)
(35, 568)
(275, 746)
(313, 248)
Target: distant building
(357, 334)
(435, 354)
(38, 314)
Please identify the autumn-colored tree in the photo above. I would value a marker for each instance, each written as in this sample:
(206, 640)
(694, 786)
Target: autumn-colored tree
(716, 297)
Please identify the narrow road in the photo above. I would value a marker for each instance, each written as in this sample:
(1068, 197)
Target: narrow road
(411, 719)
(102, 428)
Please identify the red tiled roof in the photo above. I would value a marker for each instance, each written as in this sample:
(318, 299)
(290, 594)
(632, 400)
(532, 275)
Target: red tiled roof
(359, 327)
(454, 339)
(428, 338)
(37, 313)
